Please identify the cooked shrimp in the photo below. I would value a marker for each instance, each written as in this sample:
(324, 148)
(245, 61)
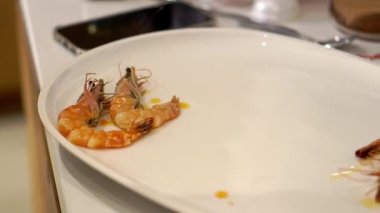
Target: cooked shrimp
(77, 122)
(126, 110)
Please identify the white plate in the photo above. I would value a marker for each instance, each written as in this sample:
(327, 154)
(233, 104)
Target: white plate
(270, 119)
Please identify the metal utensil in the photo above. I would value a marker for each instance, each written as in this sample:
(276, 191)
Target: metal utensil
(335, 42)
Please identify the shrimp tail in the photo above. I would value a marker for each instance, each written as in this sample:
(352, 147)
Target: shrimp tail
(369, 150)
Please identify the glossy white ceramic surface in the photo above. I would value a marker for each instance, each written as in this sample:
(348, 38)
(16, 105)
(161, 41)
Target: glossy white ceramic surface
(270, 119)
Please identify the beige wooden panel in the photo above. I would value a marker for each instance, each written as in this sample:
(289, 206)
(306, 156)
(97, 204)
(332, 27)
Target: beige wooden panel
(44, 192)
(9, 74)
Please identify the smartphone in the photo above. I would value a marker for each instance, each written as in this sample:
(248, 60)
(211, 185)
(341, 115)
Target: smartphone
(86, 35)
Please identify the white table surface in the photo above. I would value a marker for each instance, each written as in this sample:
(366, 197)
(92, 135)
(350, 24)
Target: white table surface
(81, 188)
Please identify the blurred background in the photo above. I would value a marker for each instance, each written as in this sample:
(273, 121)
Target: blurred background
(14, 181)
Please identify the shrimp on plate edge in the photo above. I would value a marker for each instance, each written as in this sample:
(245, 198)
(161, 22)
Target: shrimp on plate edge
(77, 122)
(126, 110)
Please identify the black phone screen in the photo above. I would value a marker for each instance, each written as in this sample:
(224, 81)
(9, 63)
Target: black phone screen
(100, 31)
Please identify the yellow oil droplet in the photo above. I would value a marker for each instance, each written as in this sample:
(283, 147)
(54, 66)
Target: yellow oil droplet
(184, 105)
(369, 203)
(342, 174)
(155, 101)
(346, 172)
(221, 194)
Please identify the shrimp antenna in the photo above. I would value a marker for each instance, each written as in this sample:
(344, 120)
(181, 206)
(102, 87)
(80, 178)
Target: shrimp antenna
(132, 73)
(148, 71)
(107, 82)
(120, 70)
(371, 191)
(145, 70)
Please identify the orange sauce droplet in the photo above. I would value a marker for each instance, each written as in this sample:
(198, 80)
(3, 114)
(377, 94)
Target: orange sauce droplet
(184, 105)
(221, 194)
